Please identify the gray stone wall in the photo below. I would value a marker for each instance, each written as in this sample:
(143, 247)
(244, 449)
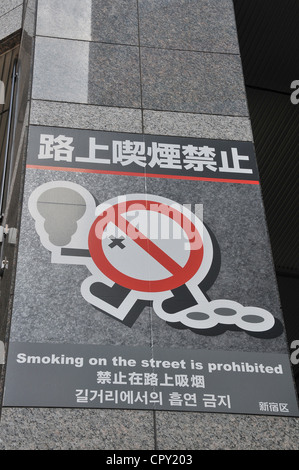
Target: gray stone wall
(11, 12)
(163, 67)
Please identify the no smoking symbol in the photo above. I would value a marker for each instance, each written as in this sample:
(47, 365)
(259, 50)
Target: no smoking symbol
(141, 247)
(145, 264)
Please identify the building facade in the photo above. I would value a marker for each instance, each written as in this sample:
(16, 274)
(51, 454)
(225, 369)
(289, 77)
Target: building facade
(128, 105)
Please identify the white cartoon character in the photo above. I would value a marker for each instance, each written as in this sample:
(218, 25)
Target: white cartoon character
(138, 247)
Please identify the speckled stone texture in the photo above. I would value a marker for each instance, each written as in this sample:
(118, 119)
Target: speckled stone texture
(11, 21)
(61, 429)
(114, 21)
(193, 431)
(62, 76)
(185, 79)
(9, 5)
(114, 76)
(109, 21)
(207, 25)
(64, 19)
(188, 81)
(75, 115)
(197, 125)
(95, 73)
(58, 312)
(235, 216)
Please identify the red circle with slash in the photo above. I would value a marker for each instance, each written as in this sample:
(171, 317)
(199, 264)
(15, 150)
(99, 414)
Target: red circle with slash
(179, 275)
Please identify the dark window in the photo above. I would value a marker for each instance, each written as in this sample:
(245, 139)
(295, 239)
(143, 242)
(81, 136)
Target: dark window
(8, 76)
(269, 45)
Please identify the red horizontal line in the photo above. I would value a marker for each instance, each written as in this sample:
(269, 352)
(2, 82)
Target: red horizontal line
(147, 175)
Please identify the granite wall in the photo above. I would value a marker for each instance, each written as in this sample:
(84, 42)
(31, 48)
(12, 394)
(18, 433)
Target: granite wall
(162, 67)
(11, 12)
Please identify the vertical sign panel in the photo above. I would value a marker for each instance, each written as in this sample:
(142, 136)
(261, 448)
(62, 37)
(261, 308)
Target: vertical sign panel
(145, 278)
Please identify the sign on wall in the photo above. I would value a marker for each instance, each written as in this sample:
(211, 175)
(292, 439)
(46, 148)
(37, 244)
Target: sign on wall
(142, 155)
(159, 239)
(144, 243)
